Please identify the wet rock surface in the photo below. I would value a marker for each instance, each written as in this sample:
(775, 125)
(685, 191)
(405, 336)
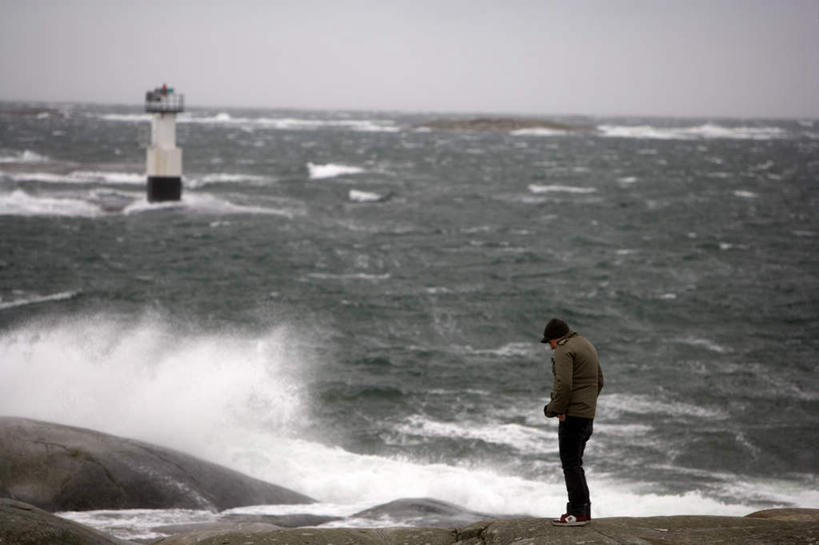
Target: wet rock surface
(677, 530)
(62, 468)
(428, 511)
(295, 520)
(23, 524)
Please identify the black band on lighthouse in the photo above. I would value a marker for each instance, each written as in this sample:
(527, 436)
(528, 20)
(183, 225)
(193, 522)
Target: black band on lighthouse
(164, 188)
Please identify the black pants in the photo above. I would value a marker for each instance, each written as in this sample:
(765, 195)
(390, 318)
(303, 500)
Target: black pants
(572, 435)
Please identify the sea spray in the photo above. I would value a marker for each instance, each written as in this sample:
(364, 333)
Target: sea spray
(243, 400)
(148, 380)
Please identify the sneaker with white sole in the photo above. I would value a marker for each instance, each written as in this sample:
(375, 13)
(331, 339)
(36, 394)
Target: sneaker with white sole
(572, 520)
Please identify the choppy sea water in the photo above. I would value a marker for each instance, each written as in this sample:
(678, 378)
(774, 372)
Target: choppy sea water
(349, 305)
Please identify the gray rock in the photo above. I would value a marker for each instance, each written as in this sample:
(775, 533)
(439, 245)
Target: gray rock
(188, 534)
(426, 511)
(330, 536)
(793, 513)
(679, 530)
(295, 520)
(62, 468)
(23, 524)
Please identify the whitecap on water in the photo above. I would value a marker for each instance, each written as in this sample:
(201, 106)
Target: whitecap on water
(538, 132)
(331, 170)
(206, 204)
(36, 299)
(556, 188)
(704, 343)
(138, 524)
(745, 194)
(26, 156)
(78, 177)
(363, 196)
(225, 178)
(349, 276)
(522, 438)
(614, 405)
(131, 118)
(20, 203)
(705, 131)
(129, 178)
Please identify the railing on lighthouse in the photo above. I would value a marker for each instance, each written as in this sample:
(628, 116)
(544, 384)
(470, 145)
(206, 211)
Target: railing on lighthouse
(164, 159)
(164, 100)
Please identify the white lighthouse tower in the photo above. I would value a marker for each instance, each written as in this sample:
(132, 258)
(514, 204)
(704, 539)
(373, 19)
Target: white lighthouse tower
(164, 159)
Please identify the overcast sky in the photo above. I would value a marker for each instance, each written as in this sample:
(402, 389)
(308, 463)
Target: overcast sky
(733, 58)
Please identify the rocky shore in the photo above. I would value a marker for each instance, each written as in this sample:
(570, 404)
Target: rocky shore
(62, 468)
(48, 467)
(679, 530)
(22, 524)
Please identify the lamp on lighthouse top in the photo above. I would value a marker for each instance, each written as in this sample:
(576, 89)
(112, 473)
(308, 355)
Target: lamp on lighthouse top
(163, 100)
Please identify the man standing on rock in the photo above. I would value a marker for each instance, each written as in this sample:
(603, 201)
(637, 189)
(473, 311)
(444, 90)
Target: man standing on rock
(577, 383)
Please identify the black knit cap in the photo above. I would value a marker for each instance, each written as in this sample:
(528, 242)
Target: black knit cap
(555, 329)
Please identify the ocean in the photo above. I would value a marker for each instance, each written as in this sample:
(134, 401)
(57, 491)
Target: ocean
(350, 305)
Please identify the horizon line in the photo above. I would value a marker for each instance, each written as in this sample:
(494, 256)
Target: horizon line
(420, 111)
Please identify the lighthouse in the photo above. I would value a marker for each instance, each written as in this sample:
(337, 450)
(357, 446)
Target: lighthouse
(164, 159)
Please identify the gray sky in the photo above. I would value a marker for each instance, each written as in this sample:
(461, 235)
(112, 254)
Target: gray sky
(733, 58)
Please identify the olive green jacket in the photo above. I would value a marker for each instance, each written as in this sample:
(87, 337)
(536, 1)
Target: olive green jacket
(577, 378)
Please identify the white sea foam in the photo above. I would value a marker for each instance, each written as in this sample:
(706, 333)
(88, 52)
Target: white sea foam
(522, 438)
(77, 177)
(42, 177)
(538, 132)
(704, 343)
(363, 196)
(331, 170)
(706, 131)
(206, 204)
(225, 178)
(243, 400)
(287, 123)
(745, 194)
(614, 405)
(36, 299)
(349, 276)
(515, 349)
(116, 178)
(93, 371)
(131, 118)
(271, 123)
(627, 180)
(20, 203)
(138, 524)
(535, 188)
(25, 156)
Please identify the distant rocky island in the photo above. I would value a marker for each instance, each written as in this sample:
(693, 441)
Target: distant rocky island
(500, 124)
